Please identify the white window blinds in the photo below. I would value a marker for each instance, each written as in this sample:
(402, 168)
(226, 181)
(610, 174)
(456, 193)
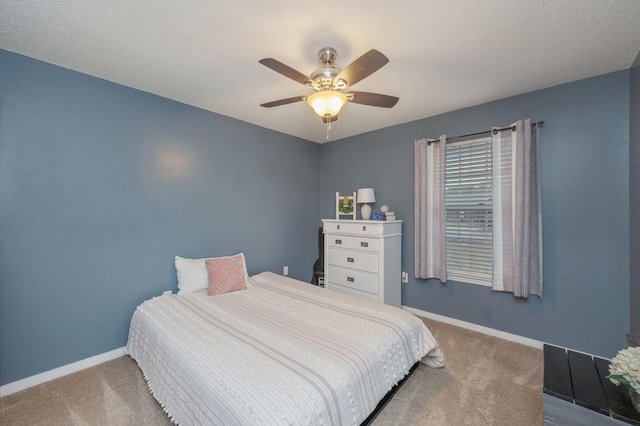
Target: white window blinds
(468, 217)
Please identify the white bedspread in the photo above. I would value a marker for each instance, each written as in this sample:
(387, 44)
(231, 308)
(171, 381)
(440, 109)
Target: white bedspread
(281, 352)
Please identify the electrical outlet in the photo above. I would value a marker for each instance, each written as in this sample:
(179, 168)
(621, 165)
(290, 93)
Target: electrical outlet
(405, 277)
(285, 270)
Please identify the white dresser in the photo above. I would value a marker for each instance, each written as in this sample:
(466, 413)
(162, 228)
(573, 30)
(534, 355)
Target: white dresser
(362, 258)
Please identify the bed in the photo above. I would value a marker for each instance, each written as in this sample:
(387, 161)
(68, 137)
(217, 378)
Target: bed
(280, 352)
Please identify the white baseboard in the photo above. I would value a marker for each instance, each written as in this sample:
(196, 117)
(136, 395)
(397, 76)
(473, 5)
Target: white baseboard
(479, 328)
(28, 382)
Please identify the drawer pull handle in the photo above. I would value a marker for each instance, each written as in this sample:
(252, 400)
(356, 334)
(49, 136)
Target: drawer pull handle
(364, 228)
(364, 244)
(338, 241)
(350, 279)
(350, 259)
(338, 226)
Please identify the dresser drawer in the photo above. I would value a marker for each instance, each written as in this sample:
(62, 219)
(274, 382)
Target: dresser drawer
(361, 228)
(367, 244)
(339, 241)
(354, 259)
(354, 279)
(352, 292)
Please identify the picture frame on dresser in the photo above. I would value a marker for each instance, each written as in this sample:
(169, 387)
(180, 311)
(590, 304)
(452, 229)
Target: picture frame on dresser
(363, 259)
(345, 206)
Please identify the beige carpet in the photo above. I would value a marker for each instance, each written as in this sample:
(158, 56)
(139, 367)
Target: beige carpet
(487, 381)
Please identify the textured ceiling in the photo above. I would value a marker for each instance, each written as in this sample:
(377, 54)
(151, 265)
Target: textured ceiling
(444, 55)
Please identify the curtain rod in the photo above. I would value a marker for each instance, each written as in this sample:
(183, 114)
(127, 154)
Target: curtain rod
(513, 128)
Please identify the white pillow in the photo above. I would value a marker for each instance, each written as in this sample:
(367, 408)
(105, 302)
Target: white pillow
(192, 274)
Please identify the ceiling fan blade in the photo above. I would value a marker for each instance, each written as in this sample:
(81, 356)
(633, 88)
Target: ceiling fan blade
(286, 70)
(330, 119)
(284, 101)
(373, 99)
(362, 67)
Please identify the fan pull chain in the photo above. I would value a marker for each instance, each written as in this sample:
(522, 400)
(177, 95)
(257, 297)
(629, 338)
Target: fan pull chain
(328, 127)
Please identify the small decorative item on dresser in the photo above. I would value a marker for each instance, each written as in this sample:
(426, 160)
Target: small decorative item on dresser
(345, 205)
(387, 214)
(625, 369)
(366, 195)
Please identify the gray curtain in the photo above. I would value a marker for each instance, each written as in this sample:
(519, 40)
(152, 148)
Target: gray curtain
(429, 208)
(517, 219)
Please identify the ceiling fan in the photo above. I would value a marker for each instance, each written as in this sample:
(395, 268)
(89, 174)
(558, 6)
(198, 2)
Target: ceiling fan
(329, 83)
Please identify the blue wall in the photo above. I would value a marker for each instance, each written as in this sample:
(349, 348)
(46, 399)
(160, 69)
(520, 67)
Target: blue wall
(634, 197)
(102, 185)
(585, 201)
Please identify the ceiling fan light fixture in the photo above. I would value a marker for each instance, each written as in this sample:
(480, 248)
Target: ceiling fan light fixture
(327, 103)
(330, 81)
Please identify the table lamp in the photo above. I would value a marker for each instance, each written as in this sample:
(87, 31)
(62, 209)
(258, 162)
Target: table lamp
(366, 195)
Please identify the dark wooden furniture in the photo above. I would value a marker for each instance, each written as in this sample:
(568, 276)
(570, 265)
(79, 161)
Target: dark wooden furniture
(577, 392)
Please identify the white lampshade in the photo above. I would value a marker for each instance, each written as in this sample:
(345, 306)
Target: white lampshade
(327, 103)
(366, 195)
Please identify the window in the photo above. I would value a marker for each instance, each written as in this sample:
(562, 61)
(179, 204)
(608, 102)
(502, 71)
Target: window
(469, 211)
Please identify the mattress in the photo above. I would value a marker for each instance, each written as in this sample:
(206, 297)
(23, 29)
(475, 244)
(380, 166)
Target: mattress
(280, 352)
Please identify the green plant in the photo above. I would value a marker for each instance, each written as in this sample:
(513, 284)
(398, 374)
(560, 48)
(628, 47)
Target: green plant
(345, 209)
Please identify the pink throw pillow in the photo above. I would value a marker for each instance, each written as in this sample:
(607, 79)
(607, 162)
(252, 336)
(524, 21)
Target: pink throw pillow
(226, 274)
